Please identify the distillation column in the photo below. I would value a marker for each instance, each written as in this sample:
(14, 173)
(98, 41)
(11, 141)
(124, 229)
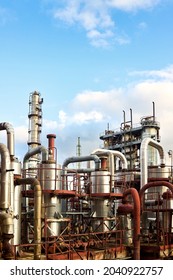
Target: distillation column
(35, 126)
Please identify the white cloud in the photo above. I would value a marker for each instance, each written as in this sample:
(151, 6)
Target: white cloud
(95, 17)
(163, 74)
(98, 99)
(21, 134)
(98, 38)
(62, 117)
(84, 118)
(142, 25)
(131, 5)
(50, 124)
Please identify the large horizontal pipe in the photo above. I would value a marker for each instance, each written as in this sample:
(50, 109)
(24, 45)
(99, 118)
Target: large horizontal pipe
(95, 158)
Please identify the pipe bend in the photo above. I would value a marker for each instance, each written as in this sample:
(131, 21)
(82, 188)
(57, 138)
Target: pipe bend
(33, 181)
(34, 151)
(153, 184)
(114, 153)
(5, 179)
(144, 158)
(150, 142)
(95, 158)
(10, 136)
(37, 212)
(7, 126)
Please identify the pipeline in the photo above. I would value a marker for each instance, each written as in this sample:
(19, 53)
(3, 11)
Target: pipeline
(34, 151)
(81, 159)
(153, 184)
(144, 158)
(37, 213)
(30, 153)
(6, 217)
(5, 179)
(136, 213)
(112, 154)
(10, 136)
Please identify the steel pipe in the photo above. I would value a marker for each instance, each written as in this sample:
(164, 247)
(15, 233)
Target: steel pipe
(136, 213)
(112, 154)
(37, 213)
(10, 136)
(34, 151)
(144, 158)
(95, 158)
(6, 217)
(153, 184)
(5, 179)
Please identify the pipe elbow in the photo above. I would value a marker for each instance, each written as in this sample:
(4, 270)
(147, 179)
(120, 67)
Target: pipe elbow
(7, 126)
(34, 151)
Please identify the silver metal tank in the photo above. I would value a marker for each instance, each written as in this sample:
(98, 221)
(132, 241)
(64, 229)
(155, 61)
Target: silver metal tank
(49, 177)
(156, 173)
(101, 206)
(153, 196)
(100, 181)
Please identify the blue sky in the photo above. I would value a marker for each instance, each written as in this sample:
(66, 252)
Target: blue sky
(90, 60)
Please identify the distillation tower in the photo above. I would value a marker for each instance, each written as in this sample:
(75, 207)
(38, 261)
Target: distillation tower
(35, 126)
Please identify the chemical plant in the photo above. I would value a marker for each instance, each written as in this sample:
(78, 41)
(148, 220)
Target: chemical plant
(115, 203)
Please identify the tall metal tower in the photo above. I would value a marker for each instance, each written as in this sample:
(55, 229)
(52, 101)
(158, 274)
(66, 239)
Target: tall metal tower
(78, 150)
(35, 122)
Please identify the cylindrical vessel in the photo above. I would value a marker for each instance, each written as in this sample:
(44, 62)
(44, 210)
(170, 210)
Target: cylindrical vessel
(100, 182)
(154, 194)
(101, 206)
(49, 177)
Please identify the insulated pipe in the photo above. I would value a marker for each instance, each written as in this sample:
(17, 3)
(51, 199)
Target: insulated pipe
(112, 153)
(37, 213)
(5, 179)
(144, 158)
(153, 184)
(95, 158)
(136, 213)
(34, 151)
(10, 136)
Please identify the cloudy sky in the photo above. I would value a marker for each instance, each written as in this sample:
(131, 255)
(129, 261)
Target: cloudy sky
(90, 60)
